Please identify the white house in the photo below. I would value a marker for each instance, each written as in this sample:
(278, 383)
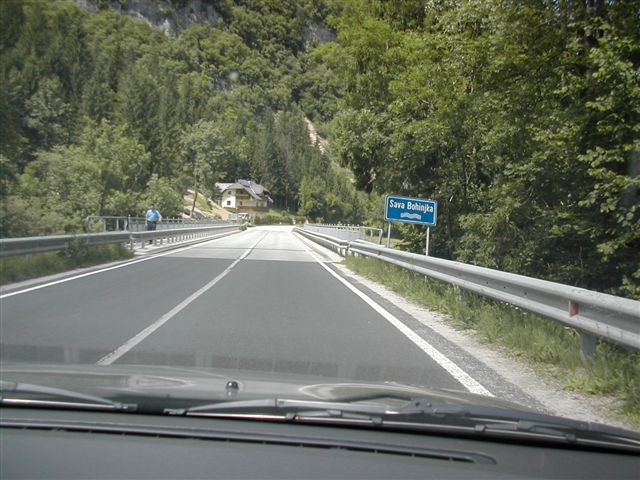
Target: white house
(244, 195)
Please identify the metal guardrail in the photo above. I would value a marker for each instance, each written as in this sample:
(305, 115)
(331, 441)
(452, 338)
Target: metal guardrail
(110, 223)
(347, 232)
(332, 243)
(593, 314)
(29, 245)
(179, 234)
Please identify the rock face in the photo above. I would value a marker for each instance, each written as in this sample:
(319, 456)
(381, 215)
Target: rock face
(319, 33)
(174, 16)
(170, 16)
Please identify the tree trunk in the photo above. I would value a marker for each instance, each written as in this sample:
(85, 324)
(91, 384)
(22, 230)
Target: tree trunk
(195, 197)
(630, 194)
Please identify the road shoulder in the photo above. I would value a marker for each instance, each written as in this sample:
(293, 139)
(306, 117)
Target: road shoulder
(504, 374)
(541, 386)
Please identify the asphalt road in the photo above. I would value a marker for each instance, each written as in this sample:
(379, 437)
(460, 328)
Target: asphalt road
(261, 300)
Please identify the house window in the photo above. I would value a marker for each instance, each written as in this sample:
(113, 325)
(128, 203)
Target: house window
(240, 203)
(228, 202)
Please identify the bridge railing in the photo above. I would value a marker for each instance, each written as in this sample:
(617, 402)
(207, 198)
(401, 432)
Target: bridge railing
(593, 314)
(109, 223)
(29, 245)
(347, 232)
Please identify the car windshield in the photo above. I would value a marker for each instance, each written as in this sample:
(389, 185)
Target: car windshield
(414, 211)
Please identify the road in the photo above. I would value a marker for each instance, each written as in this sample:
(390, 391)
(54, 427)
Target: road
(262, 300)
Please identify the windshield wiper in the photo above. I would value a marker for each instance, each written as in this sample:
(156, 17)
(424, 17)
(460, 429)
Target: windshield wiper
(283, 406)
(423, 414)
(347, 410)
(29, 395)
(581, 433)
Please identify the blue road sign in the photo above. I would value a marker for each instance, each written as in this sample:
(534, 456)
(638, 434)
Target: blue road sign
(410, 210)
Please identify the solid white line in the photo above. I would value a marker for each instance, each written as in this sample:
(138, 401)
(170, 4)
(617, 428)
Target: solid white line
(95, 272)
(454, 370)
(135, 340)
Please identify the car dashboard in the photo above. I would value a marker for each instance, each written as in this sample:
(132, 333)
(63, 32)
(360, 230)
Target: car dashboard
(38, 443)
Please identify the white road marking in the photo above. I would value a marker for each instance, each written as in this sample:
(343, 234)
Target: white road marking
(135, 340)
(454, 370)
(95, 272)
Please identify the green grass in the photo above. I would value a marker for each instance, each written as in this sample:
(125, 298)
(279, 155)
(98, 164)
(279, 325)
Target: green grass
(25, 267)
(546, 344)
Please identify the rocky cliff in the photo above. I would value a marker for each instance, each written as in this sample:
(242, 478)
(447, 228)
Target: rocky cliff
(170, 16)
(173, 16)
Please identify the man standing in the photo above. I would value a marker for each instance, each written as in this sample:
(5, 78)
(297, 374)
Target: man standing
(153, 217)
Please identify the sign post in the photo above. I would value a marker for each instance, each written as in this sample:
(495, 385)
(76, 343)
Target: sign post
(426, 250)
(389, 236)
(411, 210)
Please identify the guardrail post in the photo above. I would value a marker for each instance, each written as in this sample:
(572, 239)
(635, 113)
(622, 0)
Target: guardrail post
(461, 294)
(588, 346)
(588, 341)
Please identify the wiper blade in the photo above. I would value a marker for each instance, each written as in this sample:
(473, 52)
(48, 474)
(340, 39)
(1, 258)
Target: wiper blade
(582, 433)
(350, 404)
(288, 410)
(274, 405)
(283, 405)
(315, 410)
(30, 395)
(497, 421)
(423, 414)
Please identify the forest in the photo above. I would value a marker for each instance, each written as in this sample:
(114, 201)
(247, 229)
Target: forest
(102, 114)
(521, 118)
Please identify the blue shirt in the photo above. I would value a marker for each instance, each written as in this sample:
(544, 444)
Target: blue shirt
(152, 215)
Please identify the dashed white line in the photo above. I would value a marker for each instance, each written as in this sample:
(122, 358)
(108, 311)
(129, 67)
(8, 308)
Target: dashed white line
(454, 370)
(135, 340)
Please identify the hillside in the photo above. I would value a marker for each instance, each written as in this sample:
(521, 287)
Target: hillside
(173, 17)
(522, 121)
(205, 207)
(169, 16)
(131, 113)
